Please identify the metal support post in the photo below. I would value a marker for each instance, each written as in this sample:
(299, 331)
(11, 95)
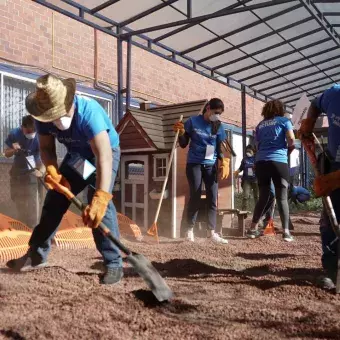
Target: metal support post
(120, 76)
(128, 74)
(244, 119)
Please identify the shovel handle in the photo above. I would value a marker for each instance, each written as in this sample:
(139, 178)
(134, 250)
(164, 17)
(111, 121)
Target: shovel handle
(81, 206)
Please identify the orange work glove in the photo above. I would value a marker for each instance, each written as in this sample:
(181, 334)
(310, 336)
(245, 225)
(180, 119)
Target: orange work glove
(325, 184)
(224, 168)
(306, 128)
(179, 126)
(52, 172)
(95, 211)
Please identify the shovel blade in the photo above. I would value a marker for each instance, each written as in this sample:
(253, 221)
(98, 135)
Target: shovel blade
(151, 276)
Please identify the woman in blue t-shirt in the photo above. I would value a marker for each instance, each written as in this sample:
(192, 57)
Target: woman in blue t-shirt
(204, 134)
(275, 140)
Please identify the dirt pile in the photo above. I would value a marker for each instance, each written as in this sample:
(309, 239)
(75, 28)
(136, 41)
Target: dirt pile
(249, 289)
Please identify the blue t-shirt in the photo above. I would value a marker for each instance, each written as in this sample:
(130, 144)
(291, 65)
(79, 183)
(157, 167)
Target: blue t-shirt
(301, 194)
(88, 121)
(202, 148)
(30, 147)
(329, 103)
(248, 168)
(271, 139)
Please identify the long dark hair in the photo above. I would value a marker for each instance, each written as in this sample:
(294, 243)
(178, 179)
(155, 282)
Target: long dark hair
(214, 104)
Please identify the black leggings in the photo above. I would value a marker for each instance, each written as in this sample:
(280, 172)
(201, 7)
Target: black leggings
(279, 173)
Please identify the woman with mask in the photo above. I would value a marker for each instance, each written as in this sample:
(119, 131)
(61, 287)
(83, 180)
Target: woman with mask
(204, 134)
(275, 141)
(23, 144)
(249, 181)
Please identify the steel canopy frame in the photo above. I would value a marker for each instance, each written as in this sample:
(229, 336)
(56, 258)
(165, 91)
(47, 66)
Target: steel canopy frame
(247, 78)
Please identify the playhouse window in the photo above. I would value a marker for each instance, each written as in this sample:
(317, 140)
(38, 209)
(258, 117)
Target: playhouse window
(160, 163)
(134, 171)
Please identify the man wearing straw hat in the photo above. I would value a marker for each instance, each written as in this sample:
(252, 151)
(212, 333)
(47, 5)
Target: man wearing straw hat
(83, 126)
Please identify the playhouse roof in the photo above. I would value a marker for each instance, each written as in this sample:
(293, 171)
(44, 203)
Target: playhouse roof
(157, 122)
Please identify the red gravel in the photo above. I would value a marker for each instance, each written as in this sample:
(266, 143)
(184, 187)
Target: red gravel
(248, 289)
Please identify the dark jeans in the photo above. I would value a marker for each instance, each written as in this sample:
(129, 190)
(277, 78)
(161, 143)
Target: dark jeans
(56, 205)
(329, 257)
(26, 193)
(267, 171)
(248, 187)
(196, 173)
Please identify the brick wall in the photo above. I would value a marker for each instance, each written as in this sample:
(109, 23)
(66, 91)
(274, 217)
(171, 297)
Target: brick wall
(26, 37)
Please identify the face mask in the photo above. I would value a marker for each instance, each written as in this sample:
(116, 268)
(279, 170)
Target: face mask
(30, 135)
(63, 123)
(249, 154)
(214, 117)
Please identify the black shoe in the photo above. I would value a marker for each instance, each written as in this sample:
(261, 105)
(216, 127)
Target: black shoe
(325, 283)
(26, 262)
(253, 233)
(112, 276)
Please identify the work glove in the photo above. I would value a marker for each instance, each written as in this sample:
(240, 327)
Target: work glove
(236, 173)
(224, 168)
(53, 173)
(325, 184)
(95, 211)
(16, 147)
(179, 126)
(306, 128)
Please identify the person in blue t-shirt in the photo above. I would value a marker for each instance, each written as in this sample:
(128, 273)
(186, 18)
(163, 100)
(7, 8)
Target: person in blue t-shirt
(299, 194)
(275, 140)
(327, 184)
(26, 191)
(204, 134)
(249, 181)
(83, 126)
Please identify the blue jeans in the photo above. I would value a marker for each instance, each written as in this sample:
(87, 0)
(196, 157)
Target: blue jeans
(195, 174)
(329, 258)
(56, 205)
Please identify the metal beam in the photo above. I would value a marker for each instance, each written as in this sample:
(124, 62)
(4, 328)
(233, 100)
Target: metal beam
(202, 18)
(262, 62)
(325, 1)
(331, 14)
(180, 29)
(251, 55)
(264, 36)
(311, 94)
(308, 5)
(287, 73)
(128, 73)
(244, 119)
(145, 13)
(301, 77)
(120, 76)
(303, 84)
(103, 5)
(241, 29)
(306, 90)
(189, 9)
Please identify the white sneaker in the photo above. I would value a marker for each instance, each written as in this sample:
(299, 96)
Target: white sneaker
(190, 235)
(216, 238)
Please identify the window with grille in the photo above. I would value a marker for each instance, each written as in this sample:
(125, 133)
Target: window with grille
(160, 163)
(13, 91)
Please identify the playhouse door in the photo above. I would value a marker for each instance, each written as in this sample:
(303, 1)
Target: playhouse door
(134, 181)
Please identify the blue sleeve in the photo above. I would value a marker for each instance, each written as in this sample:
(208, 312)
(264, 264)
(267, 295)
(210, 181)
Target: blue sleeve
(42, 128)
(94, 120)
(188, 126)
(323, 101)
(10, 139)
(288, 126)
(221, 136)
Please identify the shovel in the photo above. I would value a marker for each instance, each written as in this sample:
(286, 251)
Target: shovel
(140, 263)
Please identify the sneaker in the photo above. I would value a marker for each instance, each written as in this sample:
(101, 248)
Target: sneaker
(287, 237)
(112, 276)
(190, 235)
(253, 233)
(216, 238)
(26, 262)
(325, 283)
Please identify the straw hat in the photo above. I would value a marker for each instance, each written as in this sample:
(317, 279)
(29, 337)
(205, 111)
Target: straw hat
(52, 99)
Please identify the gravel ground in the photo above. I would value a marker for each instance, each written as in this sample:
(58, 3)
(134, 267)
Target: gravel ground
(249, 289)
